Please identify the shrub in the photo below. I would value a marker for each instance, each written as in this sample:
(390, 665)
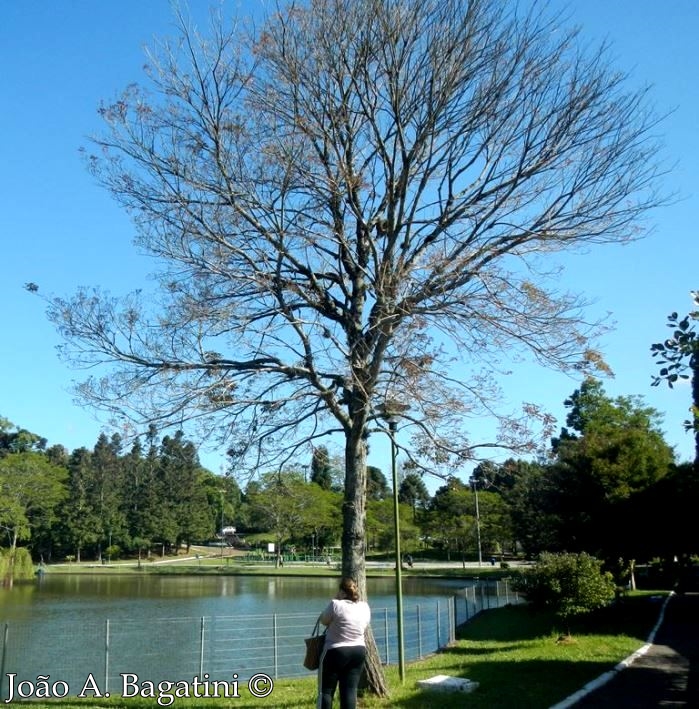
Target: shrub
(113, 551)
(569, 584)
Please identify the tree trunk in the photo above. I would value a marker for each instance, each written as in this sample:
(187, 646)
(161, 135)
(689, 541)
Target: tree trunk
(354, 545)
(8, 581)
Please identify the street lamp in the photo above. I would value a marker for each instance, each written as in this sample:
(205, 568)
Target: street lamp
(389, 414)
(223, 538)
(474, 482)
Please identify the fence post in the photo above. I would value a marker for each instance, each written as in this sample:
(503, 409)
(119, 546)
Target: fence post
(452, 619)
(276, 649)
(201, 647)
(106, 656)
(439, 627)
(385, 630)
(507, 593)
(5, 635)
(419, 632)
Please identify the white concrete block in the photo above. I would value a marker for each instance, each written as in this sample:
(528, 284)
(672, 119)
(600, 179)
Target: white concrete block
(445, 683)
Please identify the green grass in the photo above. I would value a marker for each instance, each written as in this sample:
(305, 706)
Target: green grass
(514, 653)
(213, 565)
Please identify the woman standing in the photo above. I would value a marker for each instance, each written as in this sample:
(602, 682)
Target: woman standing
(344, 652)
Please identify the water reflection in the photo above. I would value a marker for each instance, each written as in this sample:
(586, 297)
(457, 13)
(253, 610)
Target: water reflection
(98, 596)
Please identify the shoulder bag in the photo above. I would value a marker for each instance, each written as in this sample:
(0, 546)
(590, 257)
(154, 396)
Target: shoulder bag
(314, 648)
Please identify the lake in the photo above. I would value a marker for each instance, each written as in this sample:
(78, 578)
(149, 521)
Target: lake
(179, 627)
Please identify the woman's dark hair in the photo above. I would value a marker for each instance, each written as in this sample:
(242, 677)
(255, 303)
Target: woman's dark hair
(349, 588)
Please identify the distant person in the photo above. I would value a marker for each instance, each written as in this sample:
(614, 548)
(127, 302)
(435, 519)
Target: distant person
(409, 561)
(344, 652)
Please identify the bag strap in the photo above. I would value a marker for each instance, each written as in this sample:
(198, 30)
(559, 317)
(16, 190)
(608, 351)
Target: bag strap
(316, 628)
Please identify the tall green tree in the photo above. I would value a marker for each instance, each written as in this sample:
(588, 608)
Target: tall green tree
(18, 440)
(143, 497)
(620, 440)
(495, 523)
(105, 491)
(282, 506)
(339, 201)
(81, 523)
(376, 486)
(321, 470)
(186, 515)
(678, 357)
(323, 516)
(381, 531)
(451, 519)
(224, 499)
(413, 492)
(533, 514)
(31, 488)
(134, 500)
(613, 450)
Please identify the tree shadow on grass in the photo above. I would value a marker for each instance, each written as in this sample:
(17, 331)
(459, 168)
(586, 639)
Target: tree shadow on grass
(531, 684)
(525, 683)
(634, 617)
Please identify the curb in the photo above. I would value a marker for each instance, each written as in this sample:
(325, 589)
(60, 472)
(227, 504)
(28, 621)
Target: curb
(627, 662)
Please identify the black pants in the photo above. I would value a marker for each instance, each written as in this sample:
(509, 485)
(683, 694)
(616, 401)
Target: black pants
(343, 666)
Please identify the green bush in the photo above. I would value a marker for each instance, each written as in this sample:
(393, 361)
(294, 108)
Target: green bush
(568, 584)
(113, 551)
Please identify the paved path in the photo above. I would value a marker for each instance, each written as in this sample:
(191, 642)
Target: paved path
(665, 675)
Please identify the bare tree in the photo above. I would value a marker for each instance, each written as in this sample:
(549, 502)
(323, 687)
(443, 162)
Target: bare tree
(353, 206)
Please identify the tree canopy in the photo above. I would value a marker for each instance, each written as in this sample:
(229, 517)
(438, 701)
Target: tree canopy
(30, 491)
(609, 456)
(336, 197)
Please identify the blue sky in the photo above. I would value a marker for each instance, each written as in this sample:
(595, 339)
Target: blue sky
(60, 58)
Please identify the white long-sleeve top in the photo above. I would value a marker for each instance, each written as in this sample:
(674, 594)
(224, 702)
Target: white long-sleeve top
(346, 620)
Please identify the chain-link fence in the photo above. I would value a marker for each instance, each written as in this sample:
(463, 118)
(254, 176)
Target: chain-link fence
(215, 648)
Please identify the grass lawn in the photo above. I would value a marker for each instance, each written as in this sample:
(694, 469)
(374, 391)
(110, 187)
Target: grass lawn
(213, 565)
(516, 655)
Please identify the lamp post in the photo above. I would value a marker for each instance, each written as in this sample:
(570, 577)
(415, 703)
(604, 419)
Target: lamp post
(222, 535)
(474, 482)
(399, 566)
